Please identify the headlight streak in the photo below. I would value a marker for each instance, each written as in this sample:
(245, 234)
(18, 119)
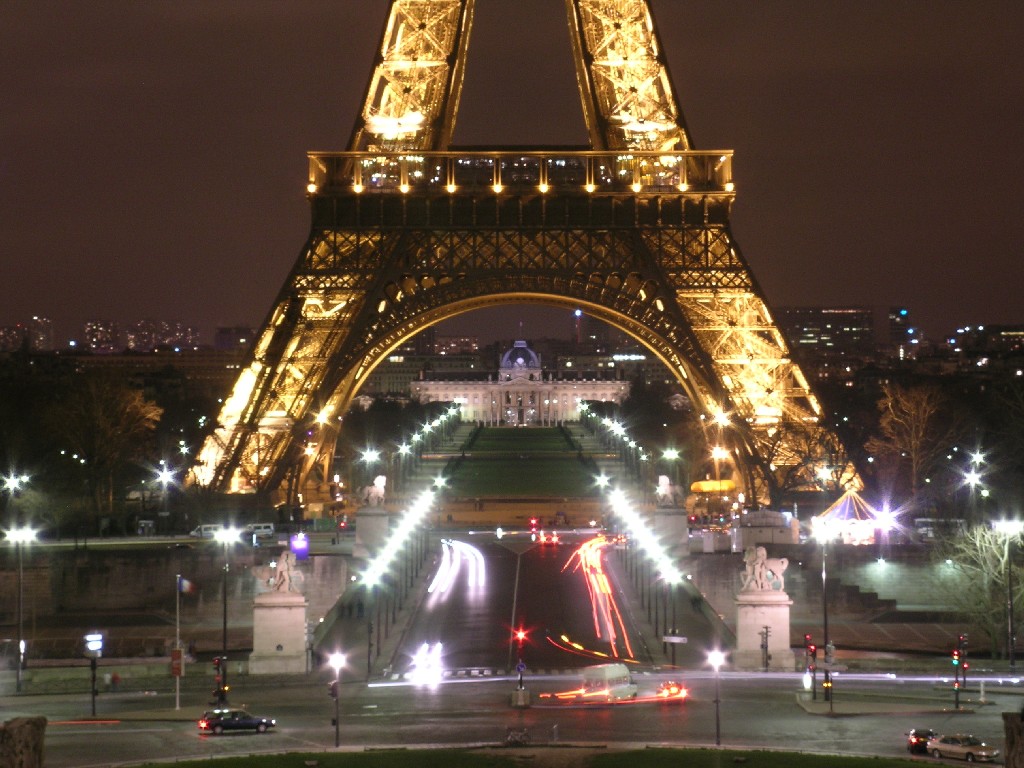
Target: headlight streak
(608, 623)
(426, 667)
(452, 556)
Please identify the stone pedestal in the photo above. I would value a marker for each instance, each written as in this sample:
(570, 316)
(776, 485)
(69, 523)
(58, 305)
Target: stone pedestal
(755, 611)
(520, 698)
(671, 526)
(372, 530)
(278, 634)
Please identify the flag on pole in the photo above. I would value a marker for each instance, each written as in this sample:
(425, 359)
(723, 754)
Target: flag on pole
(185, 586)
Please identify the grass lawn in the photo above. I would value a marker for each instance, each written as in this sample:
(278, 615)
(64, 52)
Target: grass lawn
(501, 758)
(515, 476)
(505, 462)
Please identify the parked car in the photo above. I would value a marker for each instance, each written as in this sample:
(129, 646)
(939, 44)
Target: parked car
(965, 747)
(220, 720)
(917, 740)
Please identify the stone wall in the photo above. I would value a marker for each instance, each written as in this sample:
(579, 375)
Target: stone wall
(129, 594)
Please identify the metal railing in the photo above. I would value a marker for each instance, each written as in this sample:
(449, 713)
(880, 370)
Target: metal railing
(519, 172)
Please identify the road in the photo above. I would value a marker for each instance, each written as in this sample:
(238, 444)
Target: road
(756, 710)
(489, 587)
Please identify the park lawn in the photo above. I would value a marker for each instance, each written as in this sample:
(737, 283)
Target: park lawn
(506, 758)
(520, 440)
(523, 477)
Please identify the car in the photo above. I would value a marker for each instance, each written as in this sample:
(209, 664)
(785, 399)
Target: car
(917, 740)
(671, 689)
(220, 720)
(964, 746)
(548, 537)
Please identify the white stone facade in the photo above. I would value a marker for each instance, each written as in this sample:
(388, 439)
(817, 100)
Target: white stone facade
(521, 393)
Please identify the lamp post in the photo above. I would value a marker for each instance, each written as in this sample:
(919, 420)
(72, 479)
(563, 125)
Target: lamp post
(164, 476)
(337, 661)
(93, 651)
(1010, 529)
(716, 659)
(21, 536)
(823, 532)
(227, 537)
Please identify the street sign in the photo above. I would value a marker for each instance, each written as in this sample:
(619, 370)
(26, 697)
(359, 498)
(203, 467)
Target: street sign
(520, 667)
(673, 639)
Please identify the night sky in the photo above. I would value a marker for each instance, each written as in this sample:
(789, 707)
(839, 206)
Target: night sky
(152, 154)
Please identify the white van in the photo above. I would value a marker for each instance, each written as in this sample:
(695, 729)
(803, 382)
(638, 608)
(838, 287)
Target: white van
(608, 682)
(205, 531)
(260, 530)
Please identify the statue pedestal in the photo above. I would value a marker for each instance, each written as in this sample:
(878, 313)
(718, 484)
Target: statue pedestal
(372, 529)
(278, 634)
(754, 611)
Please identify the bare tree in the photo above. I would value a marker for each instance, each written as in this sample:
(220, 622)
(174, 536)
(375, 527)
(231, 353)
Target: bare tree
(109, 425)
(981, 559)
(917, 429)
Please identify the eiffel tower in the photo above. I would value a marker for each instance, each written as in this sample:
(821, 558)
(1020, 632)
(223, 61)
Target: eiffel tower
(408, 231)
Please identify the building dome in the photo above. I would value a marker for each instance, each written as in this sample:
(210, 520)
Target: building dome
(520, 357)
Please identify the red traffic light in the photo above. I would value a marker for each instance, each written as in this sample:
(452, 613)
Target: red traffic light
(216, 663)
(520, 636)
(812, 649)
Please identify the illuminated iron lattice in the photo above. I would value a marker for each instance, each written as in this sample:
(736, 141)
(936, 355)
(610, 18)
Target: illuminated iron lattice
(406, 233)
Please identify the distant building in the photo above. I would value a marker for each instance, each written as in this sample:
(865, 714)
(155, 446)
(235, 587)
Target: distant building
(520, 392)
(903, 339)
(830, 331)
(148, 335)
(456, 345)
(36, 335)
(40, 334)
(102, 337)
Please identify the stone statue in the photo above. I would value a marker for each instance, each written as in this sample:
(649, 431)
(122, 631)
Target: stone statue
(373, 495)
(762, 573)
(283, 578)
(666, 494)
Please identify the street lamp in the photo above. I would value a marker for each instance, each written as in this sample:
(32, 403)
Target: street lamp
(1010, 529)
(93, 651)
(227, 537)
(716, 659)
(824, 531)
(337, 661)
(20, 536)
(164, 476)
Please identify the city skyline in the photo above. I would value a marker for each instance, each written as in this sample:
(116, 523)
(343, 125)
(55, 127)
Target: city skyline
(155, 159)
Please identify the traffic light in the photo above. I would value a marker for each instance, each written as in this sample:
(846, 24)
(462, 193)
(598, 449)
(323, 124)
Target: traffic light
(332, 689)
(520, 637)
(956, 657)
(216, 663)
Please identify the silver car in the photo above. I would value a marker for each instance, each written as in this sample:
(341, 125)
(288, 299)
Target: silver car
(965, 747)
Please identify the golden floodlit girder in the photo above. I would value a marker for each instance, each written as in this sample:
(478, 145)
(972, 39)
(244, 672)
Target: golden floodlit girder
(634, 231)
(413, 94)
(628, 98)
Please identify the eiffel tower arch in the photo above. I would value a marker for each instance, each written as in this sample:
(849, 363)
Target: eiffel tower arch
(408, 231)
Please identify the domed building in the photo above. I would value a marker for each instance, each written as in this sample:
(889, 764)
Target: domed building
(521, 393)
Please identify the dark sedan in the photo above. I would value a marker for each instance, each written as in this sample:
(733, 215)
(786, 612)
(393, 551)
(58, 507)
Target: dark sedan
(220, 720)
